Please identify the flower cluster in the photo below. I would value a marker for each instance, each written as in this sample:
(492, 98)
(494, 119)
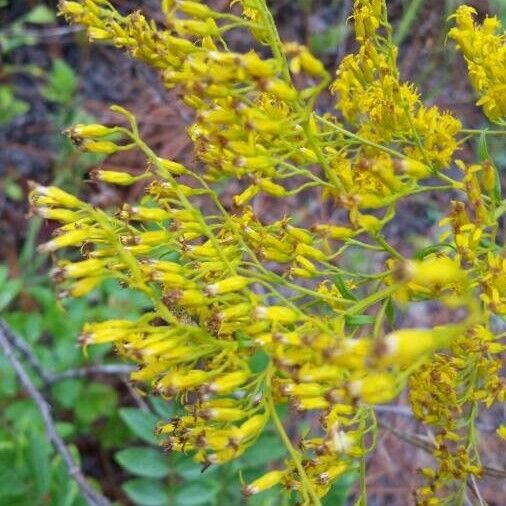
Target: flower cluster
(248, 311)
(372, 98)
(484, 48)
(446, 394)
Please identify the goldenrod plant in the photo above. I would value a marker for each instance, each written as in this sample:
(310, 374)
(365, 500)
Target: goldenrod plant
(249, 314)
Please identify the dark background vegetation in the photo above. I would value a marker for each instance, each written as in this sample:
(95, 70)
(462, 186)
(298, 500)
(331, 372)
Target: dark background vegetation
(51, 78)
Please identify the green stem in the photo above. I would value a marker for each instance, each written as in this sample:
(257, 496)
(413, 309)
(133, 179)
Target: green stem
(372, 299)
(308, 494)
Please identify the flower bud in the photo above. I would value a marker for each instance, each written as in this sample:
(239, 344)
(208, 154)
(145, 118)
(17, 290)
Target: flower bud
(278, 314)
(267, 481)
(194, 9)
(92, 130)
(114, 177)
(102, 147)
(232, 284)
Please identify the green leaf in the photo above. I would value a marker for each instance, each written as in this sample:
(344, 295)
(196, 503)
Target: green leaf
(40, 15)
(13, 191)
(197, 493)
(390, 311)
(341, 286)
(434, 248)
(483, 147)
(189, 470)
(65, 429)
(114, 433)
(267, 449)
(4, 273)
(62, 83)
(328, 40)
(141, 423)
(23, 413)
(67, 392)
(162, 407)
(340, 491)
(356, 320)
(38, 463)
(258, 361)
(484, 155)
(8, 291)
(141, 461)
(10, 106)
(96, 400)
(146, 492)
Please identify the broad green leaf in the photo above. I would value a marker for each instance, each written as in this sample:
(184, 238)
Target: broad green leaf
(22, 413)
(340, 491)
(189, 470)
(10, 106)
(258, 361)
(146, 492)
(65, 429)
(114, 433)
(40, 15)
(328, 40)
(143, 461)
(67, 392)
(162, 407)
(62, 83)
(267, 449)
(96, 400)
(197, 493)
(64, 490)
(38, 462)
(141, 423)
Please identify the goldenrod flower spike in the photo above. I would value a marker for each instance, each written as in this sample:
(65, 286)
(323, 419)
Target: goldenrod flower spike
(247, 312)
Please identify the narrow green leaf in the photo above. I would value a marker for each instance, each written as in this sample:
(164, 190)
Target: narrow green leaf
(390, 311)
(434, 248)
(483, 147)
(8, 291)
(356, 320)
(343, 289)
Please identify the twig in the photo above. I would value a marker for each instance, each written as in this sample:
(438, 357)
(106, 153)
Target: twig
(83, 372)
(394, 410)
(141, 403)
(92, 497)
(50, 378)
(19, 344)
(48, 33)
